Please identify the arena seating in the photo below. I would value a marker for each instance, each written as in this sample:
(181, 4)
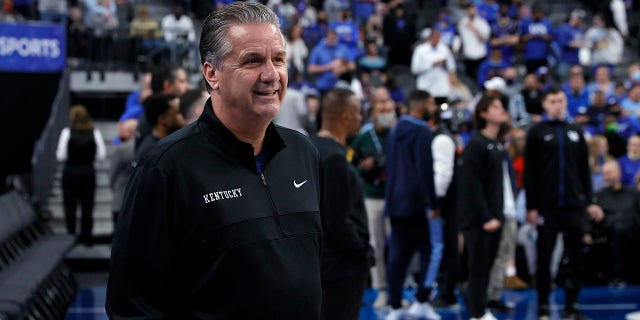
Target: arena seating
(34, 281)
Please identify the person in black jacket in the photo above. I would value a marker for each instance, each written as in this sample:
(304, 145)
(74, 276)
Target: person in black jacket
(346, 253)
(557, 180)
(221, 220)
(616, 212)
(485, 194)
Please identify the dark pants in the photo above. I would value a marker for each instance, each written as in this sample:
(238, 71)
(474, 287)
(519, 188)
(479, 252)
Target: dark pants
(471, 67)
(620, 236)
(79, 185)
(450, 267)
(569, 222)
(342, 298)
(408, 235)
(481, 249)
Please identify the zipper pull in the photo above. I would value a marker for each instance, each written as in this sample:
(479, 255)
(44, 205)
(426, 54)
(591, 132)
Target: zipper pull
(264, 181)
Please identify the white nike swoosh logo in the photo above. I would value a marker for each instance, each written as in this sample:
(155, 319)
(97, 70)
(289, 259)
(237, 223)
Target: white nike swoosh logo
(298, 185)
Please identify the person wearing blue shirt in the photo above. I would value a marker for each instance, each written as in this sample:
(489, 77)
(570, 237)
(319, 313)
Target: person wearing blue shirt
(447, 29)
(347, 31)
(577, 94)
(488, 9)
(325, 61)
(570, 38)
(362, 10)
(314, 34)
(492, 67)
(536, 35)
(631, 104)
(505, 37)
(630, 162)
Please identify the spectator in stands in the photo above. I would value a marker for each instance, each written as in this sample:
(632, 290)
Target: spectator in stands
(146, 32)
(576, 91)
(297, 51)
(133, 109)
(162, 112)
(633, 74)
(598, 109)
(504, 36)
(532, 95)
(79, 37)
(293, 112)
(399, 33)
(486, 196)
(80, 144)
(369, 147)
(560, 202)
(232, 149)
(604, 42)
(372, 62)
(630, 162)
(448, 31)
(492, 67)
(9, 13)
(570, 39)
(122, 165)
(602, 82)
(346, 253)
(192, 104)
(474, 33)
(326, 62)
(315, 33)
(489, 10)
(363, 10)
(631, 104)
(410, 198)
(348, 31)
(101, 18)
(598, 155)
(536, 34)
(433, 63)
(616, 214)
(179, 35)
(167, 79)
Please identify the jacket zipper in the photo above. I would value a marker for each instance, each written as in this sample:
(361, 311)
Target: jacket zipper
(276, 216)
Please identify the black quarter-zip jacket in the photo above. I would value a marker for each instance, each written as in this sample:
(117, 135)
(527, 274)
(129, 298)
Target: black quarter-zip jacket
(556, 171)
(203, 235)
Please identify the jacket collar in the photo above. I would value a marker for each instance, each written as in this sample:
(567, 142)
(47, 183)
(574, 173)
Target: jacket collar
(227, 142)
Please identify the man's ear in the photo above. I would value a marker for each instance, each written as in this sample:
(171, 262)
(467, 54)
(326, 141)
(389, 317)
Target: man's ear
(210, 73)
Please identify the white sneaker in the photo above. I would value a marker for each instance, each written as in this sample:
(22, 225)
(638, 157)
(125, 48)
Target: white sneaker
(382, 300)
(487, 316)
(422, 311)
(394, 314)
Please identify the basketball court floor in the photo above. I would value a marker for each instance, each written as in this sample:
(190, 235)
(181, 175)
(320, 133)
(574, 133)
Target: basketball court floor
(598, 303)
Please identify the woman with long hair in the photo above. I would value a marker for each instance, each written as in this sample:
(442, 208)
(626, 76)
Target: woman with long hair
(80, 144)
(486, 197)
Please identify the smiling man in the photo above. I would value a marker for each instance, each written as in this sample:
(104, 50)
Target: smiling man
(221, 220)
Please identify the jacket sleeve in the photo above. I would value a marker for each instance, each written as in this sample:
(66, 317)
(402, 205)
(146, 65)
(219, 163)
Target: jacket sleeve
(140, 278)
(585, 171)
(424, 163)
(336, 204)
(531, 150)
(473, 178)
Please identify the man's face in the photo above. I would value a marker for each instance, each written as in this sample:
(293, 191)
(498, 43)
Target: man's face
(610, 174)
(180, 84)
(633, 146)
(555, 105)
(382, 103)
(252, 81)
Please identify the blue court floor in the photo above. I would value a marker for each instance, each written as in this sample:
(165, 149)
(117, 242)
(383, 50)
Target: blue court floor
(598, 303)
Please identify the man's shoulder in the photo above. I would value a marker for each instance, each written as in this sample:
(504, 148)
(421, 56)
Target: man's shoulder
(173, 147)
(296, 139)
